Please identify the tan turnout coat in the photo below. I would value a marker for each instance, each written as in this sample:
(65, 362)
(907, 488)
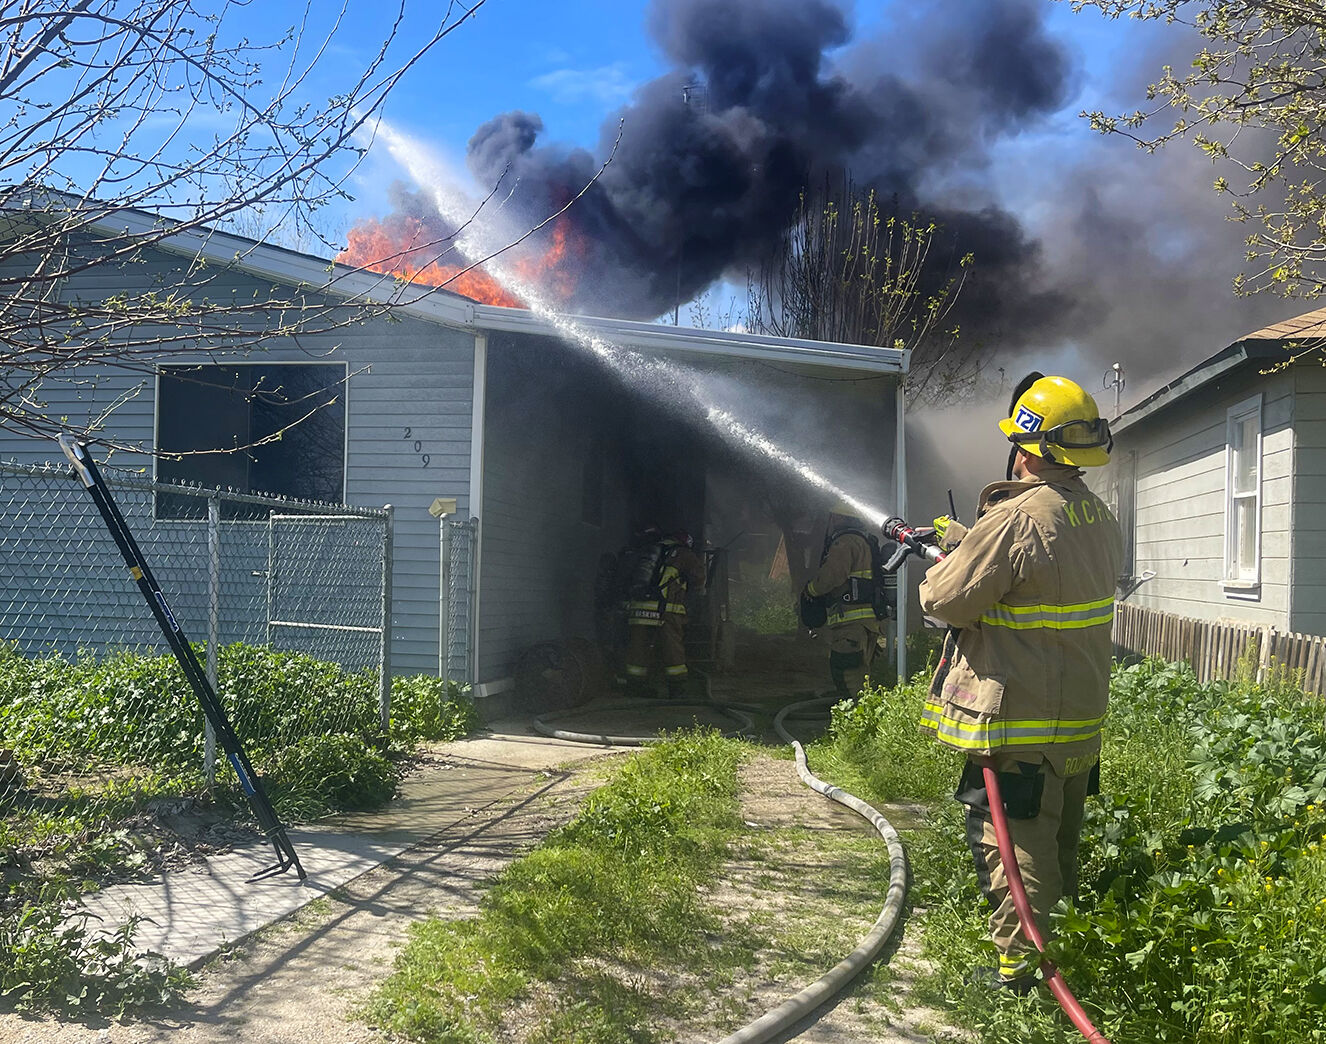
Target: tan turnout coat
(1031, 588)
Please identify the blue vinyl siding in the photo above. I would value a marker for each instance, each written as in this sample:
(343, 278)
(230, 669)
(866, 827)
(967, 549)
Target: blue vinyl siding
(404, 373)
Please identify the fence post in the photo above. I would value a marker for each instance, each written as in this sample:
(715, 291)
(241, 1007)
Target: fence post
(384, 696)
(443, 602)
(213, 628)
(1264, 653)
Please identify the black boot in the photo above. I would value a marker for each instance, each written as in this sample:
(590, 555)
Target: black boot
(988, 978)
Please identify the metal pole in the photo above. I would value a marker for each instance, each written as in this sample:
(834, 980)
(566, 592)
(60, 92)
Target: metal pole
(900, 497)
(139, 569)
(443, 602)
(213, 627)
(472, 632)
(271, 572)
(384, 697)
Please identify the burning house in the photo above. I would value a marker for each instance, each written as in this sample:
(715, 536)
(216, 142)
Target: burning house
(561, 438)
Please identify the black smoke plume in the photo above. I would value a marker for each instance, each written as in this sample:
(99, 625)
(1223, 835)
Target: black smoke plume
(767, 96)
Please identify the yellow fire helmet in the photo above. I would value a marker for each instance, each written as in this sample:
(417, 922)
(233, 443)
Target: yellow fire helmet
(1056, 419)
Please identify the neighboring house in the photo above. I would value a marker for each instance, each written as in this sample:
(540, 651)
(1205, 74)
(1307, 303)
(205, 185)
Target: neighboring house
(556, 454)
(1219, 478)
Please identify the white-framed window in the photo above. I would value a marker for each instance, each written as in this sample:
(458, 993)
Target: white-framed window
(1243, 495)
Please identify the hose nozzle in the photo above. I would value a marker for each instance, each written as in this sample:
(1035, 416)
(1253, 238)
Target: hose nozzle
(910, 541)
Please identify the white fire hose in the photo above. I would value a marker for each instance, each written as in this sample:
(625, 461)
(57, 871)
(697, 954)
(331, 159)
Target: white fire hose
(837, 978)
(832, 982)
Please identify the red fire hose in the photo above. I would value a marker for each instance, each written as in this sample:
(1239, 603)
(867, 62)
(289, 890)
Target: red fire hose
(1008, 856)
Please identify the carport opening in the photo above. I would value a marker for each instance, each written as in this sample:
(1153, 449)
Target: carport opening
(577, 463)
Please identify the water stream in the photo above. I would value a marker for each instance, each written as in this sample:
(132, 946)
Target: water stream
(662, 379)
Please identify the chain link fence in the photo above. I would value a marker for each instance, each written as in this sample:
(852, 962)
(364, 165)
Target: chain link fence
(290, 600)
(457, 606)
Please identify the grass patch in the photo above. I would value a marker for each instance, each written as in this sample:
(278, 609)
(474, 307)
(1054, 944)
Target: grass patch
(617, 888)
(875, 748)
(1202, 915)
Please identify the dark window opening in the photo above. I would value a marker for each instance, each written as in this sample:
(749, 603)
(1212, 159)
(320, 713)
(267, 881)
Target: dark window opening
(253, 428)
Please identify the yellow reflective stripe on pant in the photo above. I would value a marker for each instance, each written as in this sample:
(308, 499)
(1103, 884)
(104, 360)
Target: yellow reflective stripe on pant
(1053, 617)
(1025, 732)
(1013, 965)
(675, 672)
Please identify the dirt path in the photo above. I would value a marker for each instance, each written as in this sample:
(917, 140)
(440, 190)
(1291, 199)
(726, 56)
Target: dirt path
(295, 982)
(299, 980)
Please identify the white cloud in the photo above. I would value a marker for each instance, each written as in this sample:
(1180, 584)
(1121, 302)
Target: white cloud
(607, 84)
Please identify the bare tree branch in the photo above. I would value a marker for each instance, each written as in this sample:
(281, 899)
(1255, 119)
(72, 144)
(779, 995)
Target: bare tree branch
(116, 109)
(850, 270)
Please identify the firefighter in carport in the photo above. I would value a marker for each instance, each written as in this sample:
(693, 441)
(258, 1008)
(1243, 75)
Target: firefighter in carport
(1028, 594)
(841, 597)
(667, 574)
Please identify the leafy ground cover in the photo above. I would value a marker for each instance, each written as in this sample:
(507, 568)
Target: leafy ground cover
(107, 745)
(1202, 914)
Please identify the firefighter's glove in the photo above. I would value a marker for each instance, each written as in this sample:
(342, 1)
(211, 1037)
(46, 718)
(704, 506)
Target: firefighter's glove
(948, 533)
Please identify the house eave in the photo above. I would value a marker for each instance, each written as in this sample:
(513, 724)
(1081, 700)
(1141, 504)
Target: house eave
(1232, 358)
(432, 304)
(655, 337)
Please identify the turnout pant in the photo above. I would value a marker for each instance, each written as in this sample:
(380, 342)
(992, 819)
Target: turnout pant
(852, 648)
(1044, 811)
(662, 639)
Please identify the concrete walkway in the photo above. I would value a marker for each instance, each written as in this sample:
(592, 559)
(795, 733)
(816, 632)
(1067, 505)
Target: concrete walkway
(189, 915)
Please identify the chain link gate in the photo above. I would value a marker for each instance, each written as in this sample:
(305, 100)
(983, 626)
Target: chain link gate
(458, 600)
(343, 617)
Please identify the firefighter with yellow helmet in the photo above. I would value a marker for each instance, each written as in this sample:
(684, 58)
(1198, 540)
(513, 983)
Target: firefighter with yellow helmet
(668, 570)
(842, 597)
(1028, 594)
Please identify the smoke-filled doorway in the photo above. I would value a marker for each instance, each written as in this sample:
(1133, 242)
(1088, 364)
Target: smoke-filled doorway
(577, 462)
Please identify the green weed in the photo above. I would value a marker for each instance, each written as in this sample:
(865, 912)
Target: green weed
(101, 739)
(52, 959)
(875, 744)
(1202, 908)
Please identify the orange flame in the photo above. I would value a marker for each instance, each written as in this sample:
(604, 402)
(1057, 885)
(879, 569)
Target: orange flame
(404, 247)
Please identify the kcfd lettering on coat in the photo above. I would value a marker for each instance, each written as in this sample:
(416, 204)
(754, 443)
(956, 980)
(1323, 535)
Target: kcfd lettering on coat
(1030, 595)
(1087, 510)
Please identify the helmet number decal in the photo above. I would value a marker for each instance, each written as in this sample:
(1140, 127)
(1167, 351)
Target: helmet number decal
(1028, 420)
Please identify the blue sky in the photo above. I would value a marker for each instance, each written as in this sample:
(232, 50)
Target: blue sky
(574, 63)
(1113, 225)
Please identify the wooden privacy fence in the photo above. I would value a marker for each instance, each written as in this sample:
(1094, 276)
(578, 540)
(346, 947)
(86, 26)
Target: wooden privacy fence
(1214, 648)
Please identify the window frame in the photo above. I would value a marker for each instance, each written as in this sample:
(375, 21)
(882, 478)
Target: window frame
(1236, 586)
(177, 364)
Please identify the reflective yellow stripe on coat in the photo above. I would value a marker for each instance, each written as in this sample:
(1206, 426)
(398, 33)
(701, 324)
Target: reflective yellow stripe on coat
(1025, 732)
(845, 613)
(1053, 617)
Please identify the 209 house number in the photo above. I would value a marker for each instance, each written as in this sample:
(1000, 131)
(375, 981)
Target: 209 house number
(417, 445)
